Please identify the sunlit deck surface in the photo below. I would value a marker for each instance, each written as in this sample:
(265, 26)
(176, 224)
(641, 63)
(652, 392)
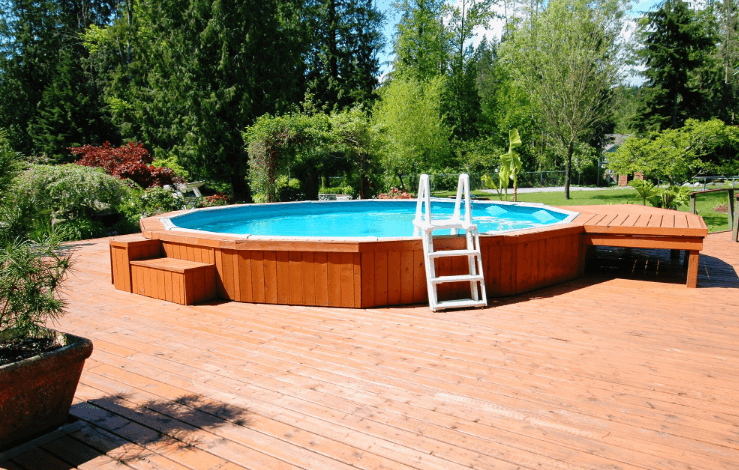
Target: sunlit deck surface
(625, 368)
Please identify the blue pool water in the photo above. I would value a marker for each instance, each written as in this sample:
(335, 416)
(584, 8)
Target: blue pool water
(358, 218)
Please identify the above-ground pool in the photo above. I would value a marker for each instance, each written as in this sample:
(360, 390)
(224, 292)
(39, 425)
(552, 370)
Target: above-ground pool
(381, 219)
(343, 254)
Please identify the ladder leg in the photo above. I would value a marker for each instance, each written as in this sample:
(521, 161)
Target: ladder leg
(428, 247)
(471, 264)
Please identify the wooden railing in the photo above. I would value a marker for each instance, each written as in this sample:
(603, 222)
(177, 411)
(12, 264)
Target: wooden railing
(733, 218)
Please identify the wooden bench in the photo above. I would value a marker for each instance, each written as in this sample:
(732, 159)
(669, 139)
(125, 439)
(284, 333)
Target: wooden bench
(174, 280)
(632, 226)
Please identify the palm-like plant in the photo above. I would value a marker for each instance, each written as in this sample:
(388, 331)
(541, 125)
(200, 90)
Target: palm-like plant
(645, 189)
(510, 164)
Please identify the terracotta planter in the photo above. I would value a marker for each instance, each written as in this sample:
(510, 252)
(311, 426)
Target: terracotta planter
(36, 393)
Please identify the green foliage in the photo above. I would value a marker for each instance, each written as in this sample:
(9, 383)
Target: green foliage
(342, 63)
(510, 165)
(200, 72)
(311, 146)
(172, 162)
(644, 188)
(676, 48)
(414, 138)
(679, 154)
(68, 191)
(670, 197)
(462, 101)
(10, 164)
(48, 100)
(81, 228)
(140, 204)
(336, 190)
(421, 45)
(567, 59)
(31, 275)
(490, 182)
(276, 143)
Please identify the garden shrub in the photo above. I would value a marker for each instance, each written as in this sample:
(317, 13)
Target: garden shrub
(67, 191)
(131, 161)
(152, 201)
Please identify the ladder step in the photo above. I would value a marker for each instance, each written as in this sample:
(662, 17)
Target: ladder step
(462, 278)
(446, 253)
(460, 303)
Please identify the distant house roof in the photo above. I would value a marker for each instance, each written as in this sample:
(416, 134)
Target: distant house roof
(615, 141)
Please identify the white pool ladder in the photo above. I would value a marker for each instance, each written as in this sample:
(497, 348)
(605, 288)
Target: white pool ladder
(424, 225)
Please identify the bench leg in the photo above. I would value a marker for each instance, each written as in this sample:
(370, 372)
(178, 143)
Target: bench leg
(693, 268)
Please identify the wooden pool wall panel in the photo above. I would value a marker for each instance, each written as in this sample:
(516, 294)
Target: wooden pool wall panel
(369, 274)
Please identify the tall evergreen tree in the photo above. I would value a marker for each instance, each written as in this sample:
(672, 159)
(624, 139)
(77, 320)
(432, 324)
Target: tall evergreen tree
(462, 105)
(205, 70)
(421, 45)
(675, 47)
(342, 63)
(41, 41)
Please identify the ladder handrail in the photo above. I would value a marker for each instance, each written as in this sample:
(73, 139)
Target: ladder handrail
(424, 195)
(423, 217)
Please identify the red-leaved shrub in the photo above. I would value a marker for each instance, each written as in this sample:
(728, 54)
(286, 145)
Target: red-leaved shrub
(218, 199)
(130, 161)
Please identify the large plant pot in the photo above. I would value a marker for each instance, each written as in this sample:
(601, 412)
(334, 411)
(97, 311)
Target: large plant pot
(36, 393)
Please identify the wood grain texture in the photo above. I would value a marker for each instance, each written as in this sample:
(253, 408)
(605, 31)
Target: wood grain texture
(566, 378)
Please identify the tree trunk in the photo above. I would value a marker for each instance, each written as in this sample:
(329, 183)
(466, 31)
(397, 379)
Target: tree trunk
(568, 168)
(240, 188)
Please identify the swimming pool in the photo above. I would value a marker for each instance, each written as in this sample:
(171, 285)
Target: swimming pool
(380, 219)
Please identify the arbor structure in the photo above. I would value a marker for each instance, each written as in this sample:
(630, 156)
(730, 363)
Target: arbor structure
(675, 47)
(566, 58)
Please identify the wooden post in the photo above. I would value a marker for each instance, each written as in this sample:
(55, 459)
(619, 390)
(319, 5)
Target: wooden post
(692, 203)
(732, 216)
(693, 268)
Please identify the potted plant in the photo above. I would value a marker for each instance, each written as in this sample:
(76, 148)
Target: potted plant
(39, 367)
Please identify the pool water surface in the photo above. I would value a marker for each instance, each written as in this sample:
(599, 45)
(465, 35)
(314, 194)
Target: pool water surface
(382, 219)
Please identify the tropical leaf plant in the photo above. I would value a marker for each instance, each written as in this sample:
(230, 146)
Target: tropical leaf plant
(645, 189)
(510, 164)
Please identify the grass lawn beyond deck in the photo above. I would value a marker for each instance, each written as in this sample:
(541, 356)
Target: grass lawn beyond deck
(706, 203)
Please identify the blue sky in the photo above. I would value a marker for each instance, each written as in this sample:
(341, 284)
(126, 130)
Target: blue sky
(385, 6)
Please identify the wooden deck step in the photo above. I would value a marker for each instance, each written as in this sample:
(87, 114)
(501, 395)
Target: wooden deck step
(175, 280)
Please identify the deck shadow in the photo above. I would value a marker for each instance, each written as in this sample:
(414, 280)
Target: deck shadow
(155, 426)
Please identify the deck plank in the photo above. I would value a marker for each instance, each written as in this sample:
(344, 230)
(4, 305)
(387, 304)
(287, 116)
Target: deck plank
(567, 377)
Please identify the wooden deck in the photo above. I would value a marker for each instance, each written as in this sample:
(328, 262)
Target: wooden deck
(610, 371)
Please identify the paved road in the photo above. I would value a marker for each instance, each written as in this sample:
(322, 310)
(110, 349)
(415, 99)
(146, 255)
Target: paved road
(558, 189)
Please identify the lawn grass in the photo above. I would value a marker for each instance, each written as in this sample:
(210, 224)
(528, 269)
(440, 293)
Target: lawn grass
(705, 203)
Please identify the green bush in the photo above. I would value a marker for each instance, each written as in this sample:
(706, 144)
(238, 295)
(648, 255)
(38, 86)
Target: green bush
(68, 191)
(80, 228)
(140, 204)
(337, 190)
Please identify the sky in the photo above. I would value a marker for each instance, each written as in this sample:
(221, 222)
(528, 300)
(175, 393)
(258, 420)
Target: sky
(391, 17)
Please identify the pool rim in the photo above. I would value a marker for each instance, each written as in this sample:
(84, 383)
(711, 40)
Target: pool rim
(168, 225)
